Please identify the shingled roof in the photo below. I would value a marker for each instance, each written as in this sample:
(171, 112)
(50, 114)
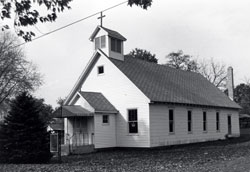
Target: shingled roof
(114, 34)
(71, 111)
(110, 32)
(98, 102)
(168, 85)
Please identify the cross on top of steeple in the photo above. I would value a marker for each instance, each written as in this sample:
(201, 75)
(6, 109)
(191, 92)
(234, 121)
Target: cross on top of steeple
(101, 16)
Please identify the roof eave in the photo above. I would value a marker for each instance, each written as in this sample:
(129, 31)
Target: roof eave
(195, 105)
(122, 39)
(81, 78)
(112, 109)
(97, 29)
(106, 112)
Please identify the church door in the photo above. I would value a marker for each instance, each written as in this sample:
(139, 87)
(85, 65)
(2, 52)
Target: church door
(80, 128)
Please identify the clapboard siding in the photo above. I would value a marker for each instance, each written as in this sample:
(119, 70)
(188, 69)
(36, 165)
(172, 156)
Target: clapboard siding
(105, 134)
(235, 124)
(159, 125)
(124, 95)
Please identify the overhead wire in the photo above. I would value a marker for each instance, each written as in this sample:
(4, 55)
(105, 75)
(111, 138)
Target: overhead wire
(38, 29)
(70, 24)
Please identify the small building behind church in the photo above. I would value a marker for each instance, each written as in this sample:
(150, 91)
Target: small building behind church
(121, 101)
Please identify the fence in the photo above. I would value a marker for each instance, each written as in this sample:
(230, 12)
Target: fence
(81, 139)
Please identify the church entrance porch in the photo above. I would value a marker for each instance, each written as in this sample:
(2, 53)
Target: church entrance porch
(82, 131)
(78, 128)
(81, 137)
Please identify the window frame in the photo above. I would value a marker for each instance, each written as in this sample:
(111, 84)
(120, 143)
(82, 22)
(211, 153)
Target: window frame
(114, 45)
(103, 41)
(204, 121)
(135, 121)
(118, 46)
(217, 116)
(189, 121)
(171, 122)
(106, 122)
(98, 71)
(99, 42)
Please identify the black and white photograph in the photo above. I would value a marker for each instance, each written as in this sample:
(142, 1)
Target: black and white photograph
(124, 86)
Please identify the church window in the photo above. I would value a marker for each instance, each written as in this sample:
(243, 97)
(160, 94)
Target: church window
(97, 43)
(132, 121)
(204, 121)
(119, 46)
(189, 121)
(171, 120)
(217, 121)
(100, 42)
(103, 41)
(116, 45)
(100, 70)
(105, 119)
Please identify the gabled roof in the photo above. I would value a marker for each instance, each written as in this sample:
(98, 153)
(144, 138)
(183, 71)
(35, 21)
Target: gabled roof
(110, 32)
(114, 34)
(98, 102)
(83, 76)
(168, 85)
(163, 84)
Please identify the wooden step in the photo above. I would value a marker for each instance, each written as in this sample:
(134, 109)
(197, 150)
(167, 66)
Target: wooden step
(82, 149)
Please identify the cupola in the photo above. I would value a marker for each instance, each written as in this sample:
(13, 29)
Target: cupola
(109, 41)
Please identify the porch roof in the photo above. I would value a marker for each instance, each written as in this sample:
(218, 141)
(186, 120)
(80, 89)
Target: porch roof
(72, 111)
(99, 102)
(57, 126)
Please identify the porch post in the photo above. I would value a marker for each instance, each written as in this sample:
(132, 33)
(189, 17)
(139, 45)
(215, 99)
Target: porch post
(59, 143)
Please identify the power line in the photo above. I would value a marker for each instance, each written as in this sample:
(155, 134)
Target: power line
(77, 21)
(38, 30)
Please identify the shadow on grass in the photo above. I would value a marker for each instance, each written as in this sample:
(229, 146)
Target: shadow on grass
(117, 152)
(217, 143)
(201, 145)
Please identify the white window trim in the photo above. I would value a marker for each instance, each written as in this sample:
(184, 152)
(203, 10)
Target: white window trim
(132, 134)
(171, 133)
(100, 42)
(218, 121)
(95, 47)
(190, 132)
(204, 131)
(100, 74)
(108, 120)
(103, 36)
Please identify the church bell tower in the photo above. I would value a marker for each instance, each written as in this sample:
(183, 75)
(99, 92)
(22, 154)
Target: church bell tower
(108, 41)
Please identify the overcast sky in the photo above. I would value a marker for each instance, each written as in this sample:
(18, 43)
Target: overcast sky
(201, 28)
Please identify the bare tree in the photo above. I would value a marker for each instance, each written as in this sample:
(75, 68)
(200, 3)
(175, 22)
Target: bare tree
(16, 73)
(213, 71)
(247, 80)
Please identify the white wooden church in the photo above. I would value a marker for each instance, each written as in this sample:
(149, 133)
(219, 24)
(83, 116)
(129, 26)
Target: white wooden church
(120, 101)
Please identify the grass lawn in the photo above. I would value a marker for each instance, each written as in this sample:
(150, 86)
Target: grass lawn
(228, 155)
